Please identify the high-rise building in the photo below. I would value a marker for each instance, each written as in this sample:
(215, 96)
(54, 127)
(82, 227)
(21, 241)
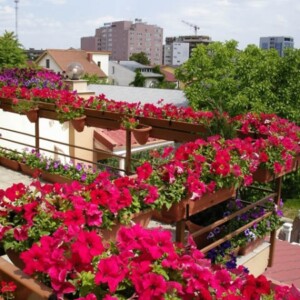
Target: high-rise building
(280, 43)
(177, 50)
(123, 38)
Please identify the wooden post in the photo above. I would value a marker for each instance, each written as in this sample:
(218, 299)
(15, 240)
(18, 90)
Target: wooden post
(37, 134)
(128, 153)
(277, 198)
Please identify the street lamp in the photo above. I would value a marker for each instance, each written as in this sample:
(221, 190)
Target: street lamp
(16, 8)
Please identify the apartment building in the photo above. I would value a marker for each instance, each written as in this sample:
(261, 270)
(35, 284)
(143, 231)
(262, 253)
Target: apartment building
(123, 38)
(177, 50)
(280, 43)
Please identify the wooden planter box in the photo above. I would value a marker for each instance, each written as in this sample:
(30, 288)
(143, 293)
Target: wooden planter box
(10, 163)
(103, 119)
(6, 104)
(249, 247)
(27, 288)
(174, 130)
(185, 208)
(55, 178)
(143, 218)
(27, 170)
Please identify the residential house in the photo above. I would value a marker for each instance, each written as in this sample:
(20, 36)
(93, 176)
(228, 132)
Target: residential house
(124, 72)
(58, 60)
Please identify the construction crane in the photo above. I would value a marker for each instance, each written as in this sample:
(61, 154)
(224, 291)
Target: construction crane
(196, 27)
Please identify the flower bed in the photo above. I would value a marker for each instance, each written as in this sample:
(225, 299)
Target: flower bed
(143, 264)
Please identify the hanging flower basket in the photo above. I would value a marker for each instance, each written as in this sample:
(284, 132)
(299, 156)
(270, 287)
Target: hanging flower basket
(33, 115)
(79, 123)
(141, 133)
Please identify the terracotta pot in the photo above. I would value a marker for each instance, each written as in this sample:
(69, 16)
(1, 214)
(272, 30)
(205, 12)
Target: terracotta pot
(55, 178)
(183, 209)
(79, 123)
(33, 115)
(141, 133)
(249, 247)
(143, 218)
(10, 163)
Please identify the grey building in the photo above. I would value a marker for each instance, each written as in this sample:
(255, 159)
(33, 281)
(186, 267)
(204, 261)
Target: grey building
(280, 43)
(177, 50)
(124, 72)
(123, 38)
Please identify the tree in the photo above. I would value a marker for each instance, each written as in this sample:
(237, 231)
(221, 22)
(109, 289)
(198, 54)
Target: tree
(11, 52)
(141, 58)
(209, 75)
(139, 79)
(219, 76)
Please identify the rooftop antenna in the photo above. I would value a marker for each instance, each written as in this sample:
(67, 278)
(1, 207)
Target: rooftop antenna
(16, 8)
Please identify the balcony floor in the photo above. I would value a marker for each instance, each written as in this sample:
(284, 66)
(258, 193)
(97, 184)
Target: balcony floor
(286, 264)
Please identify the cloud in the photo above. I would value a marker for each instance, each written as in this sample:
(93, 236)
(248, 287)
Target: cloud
(59, 2)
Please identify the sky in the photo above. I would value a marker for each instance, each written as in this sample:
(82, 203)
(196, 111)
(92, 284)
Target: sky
(59, 24)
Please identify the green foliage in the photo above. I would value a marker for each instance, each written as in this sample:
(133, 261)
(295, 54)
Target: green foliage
(11, 52)
(162, 83)
(220, 76)
(93, 79)
(141, 58)
(139, 79)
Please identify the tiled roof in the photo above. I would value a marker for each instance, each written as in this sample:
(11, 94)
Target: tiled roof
(64, 57)
(169, 76)
(116, 138)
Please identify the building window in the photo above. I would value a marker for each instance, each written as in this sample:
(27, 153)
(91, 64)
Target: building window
(113, 70)
(47, 63)
(99, 64)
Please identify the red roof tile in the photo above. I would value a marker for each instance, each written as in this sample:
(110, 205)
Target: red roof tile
(64, 57)
(116, 137)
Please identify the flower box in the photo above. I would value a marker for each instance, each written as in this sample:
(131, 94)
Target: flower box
(103, 119)
(27, 170)
(10, 163)
(249, 247)
(174, 130)
(48, 111)
(6, 104)
(27, 287)
(143, 218)
(185, 208)
(175, 125)
(55, 178)
(264, 175)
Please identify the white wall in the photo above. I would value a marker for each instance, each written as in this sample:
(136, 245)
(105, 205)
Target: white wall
(53, 65)
(119, 75)
(104, 60)
(49, 129)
